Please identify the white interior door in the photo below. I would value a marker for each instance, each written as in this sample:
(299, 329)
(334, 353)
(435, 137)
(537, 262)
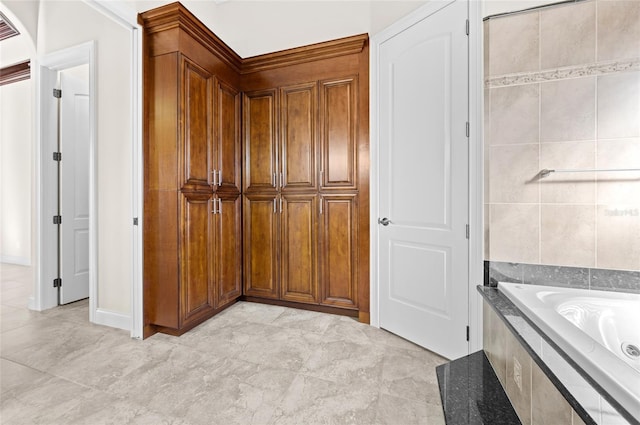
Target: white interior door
(74, 187)
(423, 181)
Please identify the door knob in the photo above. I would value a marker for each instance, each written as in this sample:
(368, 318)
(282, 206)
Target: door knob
(384, 221)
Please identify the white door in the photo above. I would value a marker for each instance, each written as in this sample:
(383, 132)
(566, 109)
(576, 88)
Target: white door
(74, 188)
(423, 181)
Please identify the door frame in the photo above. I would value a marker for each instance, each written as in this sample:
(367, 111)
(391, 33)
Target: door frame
(45, 295)
(476, 162)
(123, 14)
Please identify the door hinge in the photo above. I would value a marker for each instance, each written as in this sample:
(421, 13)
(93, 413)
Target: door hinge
(57, 282)
(468, 129)
(467, 27)
(57, 219)
(57, 156)
(467, 333)
(57, 93)
(466, 231)
(135, 221)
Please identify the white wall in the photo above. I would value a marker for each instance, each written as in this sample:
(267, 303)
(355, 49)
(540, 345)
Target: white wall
(256, 27)
(66, 24)
(16, 172)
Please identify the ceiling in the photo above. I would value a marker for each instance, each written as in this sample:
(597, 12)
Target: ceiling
(263, 26)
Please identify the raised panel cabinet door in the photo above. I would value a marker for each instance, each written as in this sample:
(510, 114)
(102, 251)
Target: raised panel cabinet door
(339, 250)
(260, 140)
(227, 149)
(228, 249)
(299, 274)
(298, 115)
(338, 133)
(197, 292)
(196, 125)
(261, 245)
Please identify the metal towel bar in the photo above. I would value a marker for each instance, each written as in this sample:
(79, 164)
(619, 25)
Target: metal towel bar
(544, 173)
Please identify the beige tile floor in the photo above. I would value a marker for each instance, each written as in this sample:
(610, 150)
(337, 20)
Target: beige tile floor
(251, 364)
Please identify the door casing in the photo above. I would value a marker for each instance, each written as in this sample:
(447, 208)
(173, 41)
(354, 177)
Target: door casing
(45, 295)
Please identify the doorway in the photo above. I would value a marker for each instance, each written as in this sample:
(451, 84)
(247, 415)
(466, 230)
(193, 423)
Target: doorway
(66, 175)
(72, 157)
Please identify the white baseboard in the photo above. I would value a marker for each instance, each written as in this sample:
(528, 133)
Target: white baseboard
(112, 319)
(12, 259)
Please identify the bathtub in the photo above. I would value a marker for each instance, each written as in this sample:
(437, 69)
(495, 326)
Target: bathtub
(598, 330)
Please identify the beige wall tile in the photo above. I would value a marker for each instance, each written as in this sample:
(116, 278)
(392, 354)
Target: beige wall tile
(548, 406)
(568, 110)
(518, 386)
(575, 419)
(516, 46)
(567, 235)
(568, 35)
(618, 239)
(618, 29)
(514, 114)
(512, 174)
(514, 233)
(578, 188)
(618, 187)
(487, 238)
(498, 347)
(619, 105)
(486, 36)
(486, 329)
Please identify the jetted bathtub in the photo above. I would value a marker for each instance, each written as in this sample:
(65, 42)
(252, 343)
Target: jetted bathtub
(598, 330)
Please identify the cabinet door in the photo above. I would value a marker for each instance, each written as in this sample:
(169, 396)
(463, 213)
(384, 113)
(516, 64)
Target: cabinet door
(261, 245)
(228, 249)
(197, 293)
(260, 135)
(196, 125)
(298, 115)
(338, 133)
(227, 158)
(339, 250)
(299, 274)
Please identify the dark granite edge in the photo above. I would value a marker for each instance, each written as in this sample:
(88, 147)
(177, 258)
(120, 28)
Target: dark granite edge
(479, 373)
(501, 305)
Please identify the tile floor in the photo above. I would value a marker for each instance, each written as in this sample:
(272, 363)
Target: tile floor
(251, 364)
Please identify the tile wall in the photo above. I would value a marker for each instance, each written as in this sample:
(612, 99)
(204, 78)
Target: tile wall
(562, 91)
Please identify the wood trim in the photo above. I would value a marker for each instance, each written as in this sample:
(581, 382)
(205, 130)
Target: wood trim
(303, 306)
(310, 53)
(14, 73)
(175, 15)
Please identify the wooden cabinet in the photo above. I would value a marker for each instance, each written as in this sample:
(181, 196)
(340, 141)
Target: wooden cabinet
(255, 174)
(339, 249)
(261, 245)
(305, 152)
(192, 160)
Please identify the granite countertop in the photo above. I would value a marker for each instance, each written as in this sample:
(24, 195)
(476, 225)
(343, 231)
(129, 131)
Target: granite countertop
(471, 393)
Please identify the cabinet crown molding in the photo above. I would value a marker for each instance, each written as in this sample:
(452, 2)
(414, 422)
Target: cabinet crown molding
(175, 15)
(313, 52)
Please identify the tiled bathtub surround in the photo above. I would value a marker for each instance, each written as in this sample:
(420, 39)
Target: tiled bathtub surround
(575, 277)
(562, 91)
(542, 384)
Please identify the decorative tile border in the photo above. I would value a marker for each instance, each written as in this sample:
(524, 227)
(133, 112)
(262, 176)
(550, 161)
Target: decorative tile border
(576, 71)
(564, 276)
